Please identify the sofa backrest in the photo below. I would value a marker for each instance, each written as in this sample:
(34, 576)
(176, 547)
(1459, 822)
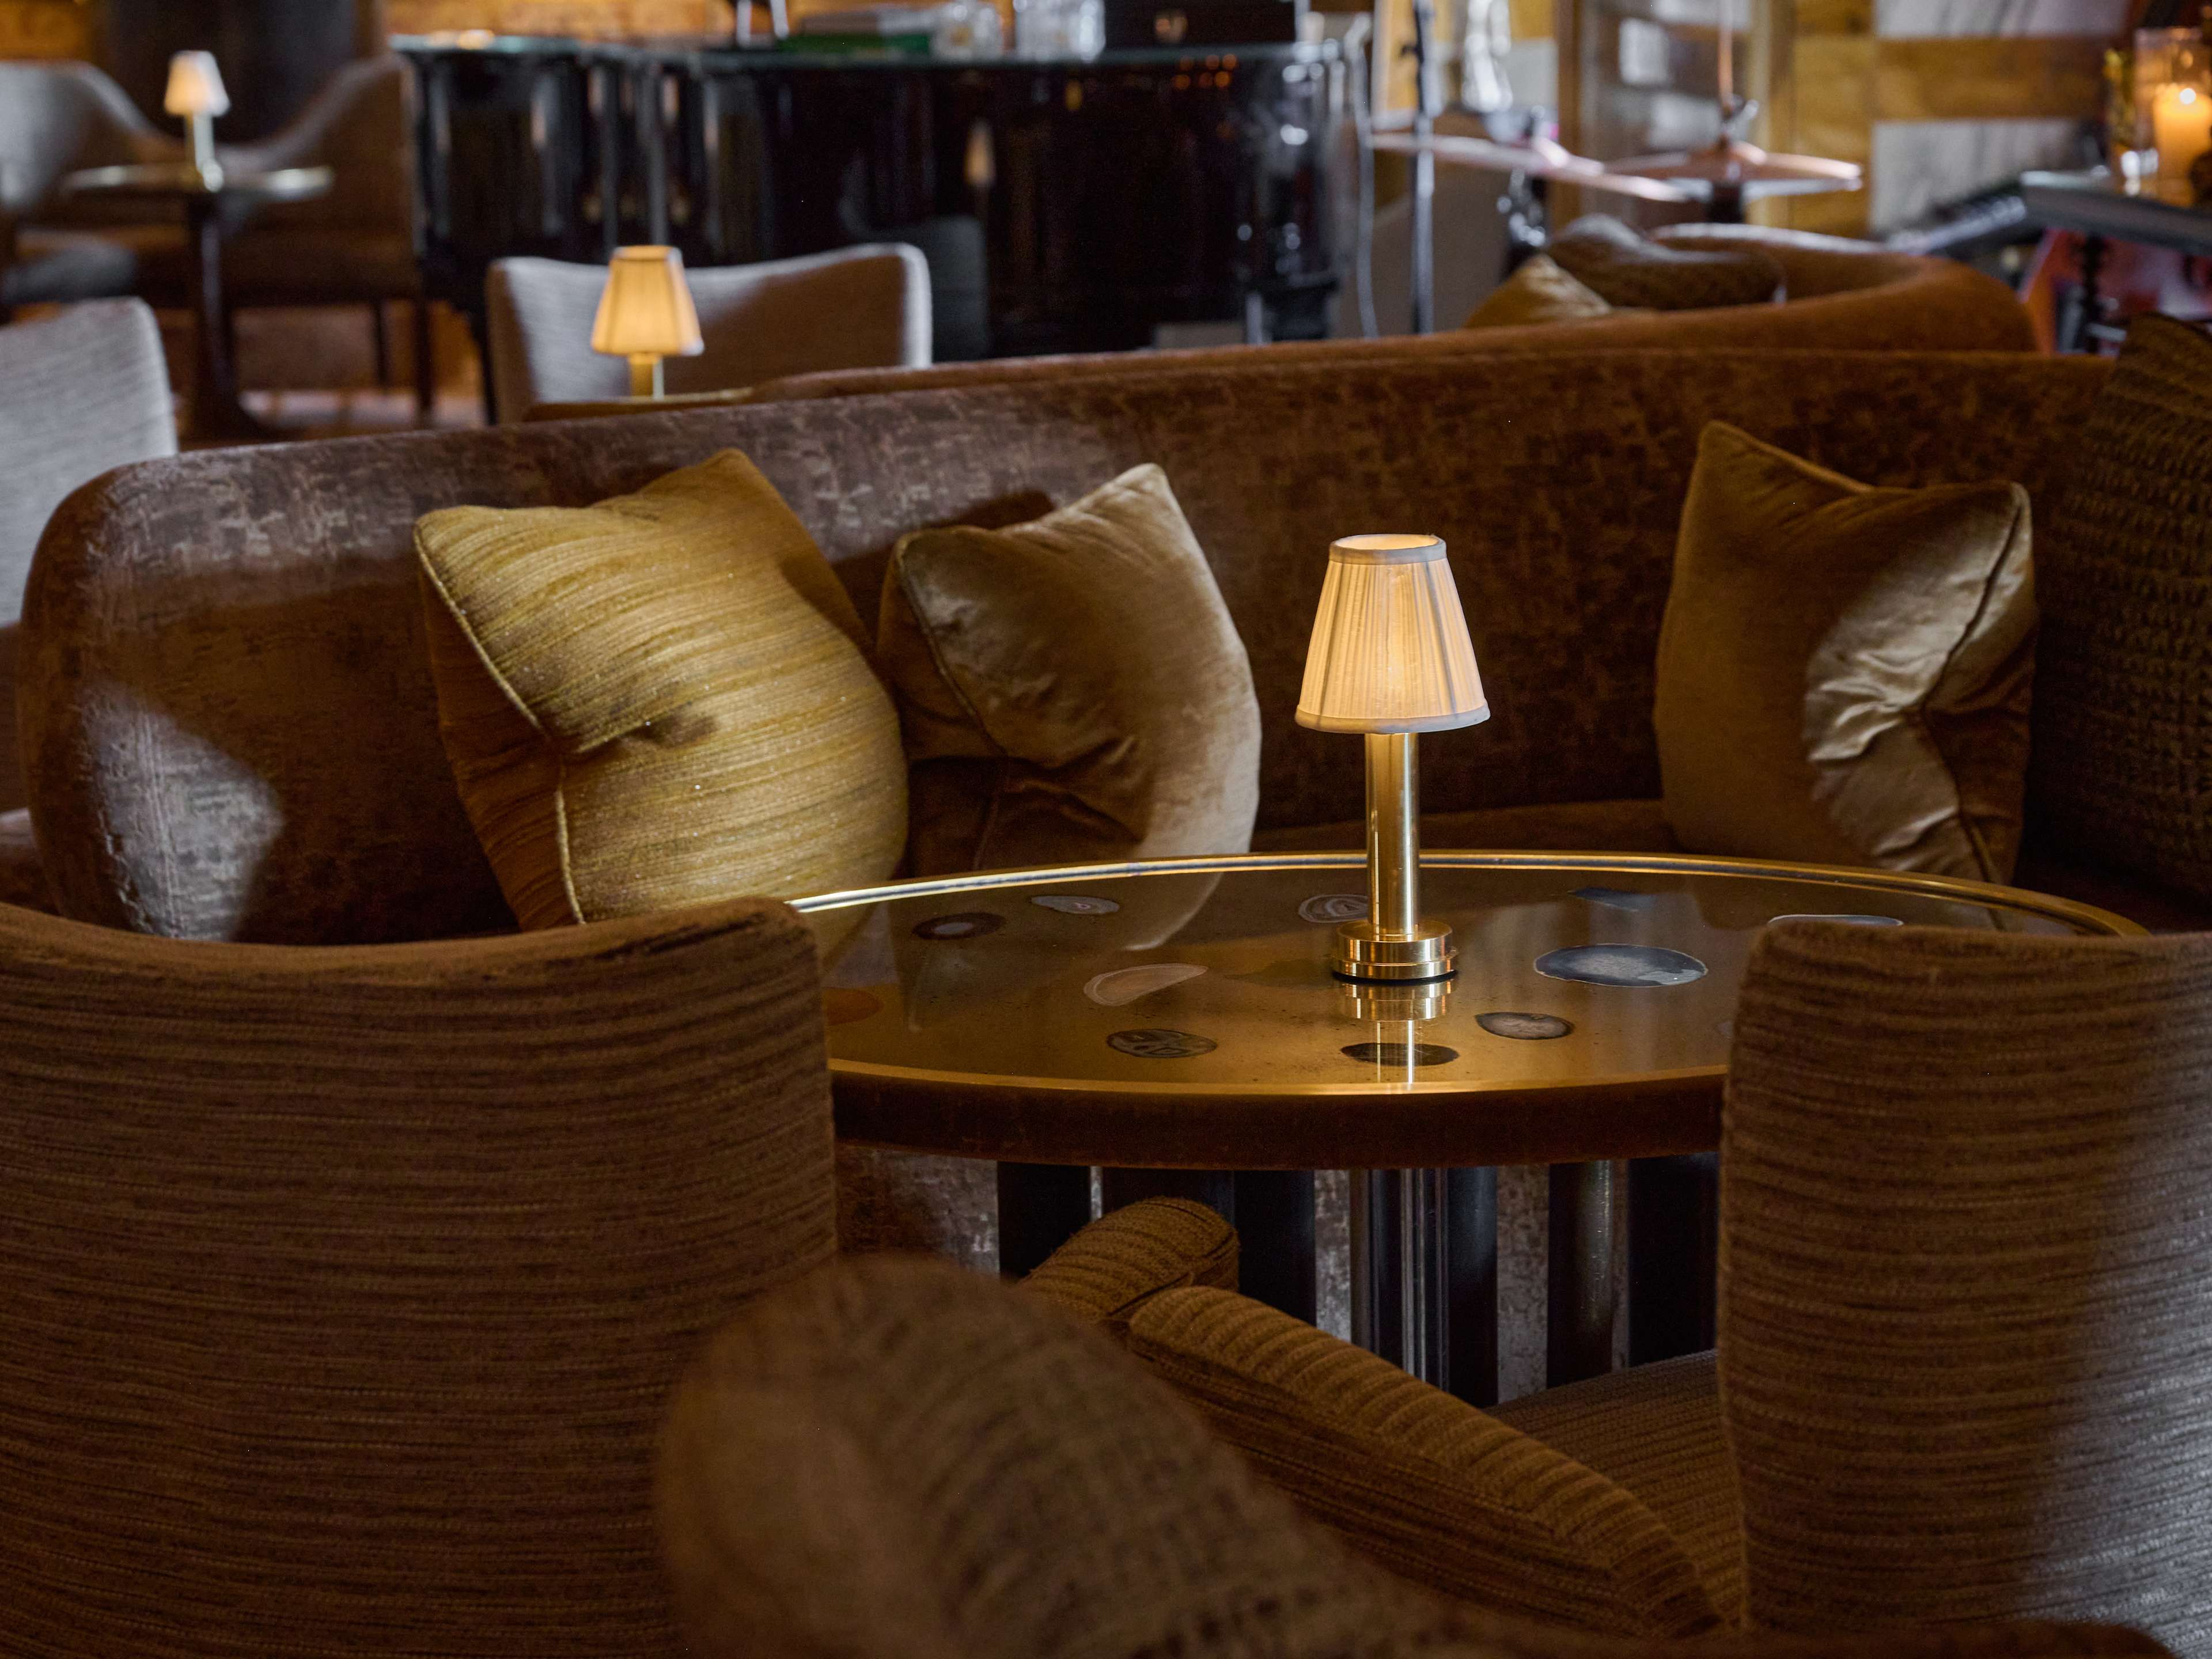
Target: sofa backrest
(229, 730)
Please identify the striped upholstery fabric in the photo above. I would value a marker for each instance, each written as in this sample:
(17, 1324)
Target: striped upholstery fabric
(1964, 1294)
(1126, 1257)
(1655, 1431)
(343, 1287)
(1427, 1485)
(894, 1459)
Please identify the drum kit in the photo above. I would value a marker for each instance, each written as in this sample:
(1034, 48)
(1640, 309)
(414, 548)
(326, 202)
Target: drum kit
(1722, 176)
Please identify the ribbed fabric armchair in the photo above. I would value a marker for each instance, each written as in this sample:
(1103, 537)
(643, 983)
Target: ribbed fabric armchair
(1962, 1372)
(341, 1289)
(895, 1458)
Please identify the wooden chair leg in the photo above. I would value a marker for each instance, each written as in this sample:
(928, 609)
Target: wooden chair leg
(426, 363)
(382, 335)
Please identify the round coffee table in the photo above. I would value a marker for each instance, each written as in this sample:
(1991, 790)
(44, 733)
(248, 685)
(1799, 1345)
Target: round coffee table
(1179, 1015)
(211, 199)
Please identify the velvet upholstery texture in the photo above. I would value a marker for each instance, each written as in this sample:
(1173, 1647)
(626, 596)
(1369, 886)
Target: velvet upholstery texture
(659, 700)
(343, 1325)
(1624, 267)
(1072, 690)
(2124, 709)
(894, 1459)
(242, 628)
(1438, 1492)
(1844, 671)
(1963, 1300)
(1538, 292)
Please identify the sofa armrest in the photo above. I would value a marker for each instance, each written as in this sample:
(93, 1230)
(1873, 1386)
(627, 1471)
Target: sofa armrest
(1121, 1261)
(1431, 1487)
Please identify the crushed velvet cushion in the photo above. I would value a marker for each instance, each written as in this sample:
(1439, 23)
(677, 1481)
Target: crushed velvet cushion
(659, 700)
(1624, 267)
(1843, 671)
(1540, 292)
(2124, 712)
(1072, 689)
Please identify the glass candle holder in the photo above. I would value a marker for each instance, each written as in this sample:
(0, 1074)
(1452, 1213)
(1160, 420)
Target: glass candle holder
(2173, 98)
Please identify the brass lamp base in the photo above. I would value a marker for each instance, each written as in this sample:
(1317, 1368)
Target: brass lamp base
(1404, 1002)
(1363, 952)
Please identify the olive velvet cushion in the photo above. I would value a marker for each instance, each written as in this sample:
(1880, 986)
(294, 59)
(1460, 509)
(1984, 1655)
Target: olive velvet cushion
(1538, 292)
(1844, 670)
(1624, 267)
(1072, 689)
(661, 700)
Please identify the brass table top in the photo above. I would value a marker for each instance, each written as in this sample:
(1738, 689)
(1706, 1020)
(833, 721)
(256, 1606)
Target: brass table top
(1180, 1014)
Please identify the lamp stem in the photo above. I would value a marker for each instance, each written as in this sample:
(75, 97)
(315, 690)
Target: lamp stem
(200, 127)
(646, 378)
(1394, 843)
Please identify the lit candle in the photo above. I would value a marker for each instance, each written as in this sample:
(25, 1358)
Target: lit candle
(2181, 128)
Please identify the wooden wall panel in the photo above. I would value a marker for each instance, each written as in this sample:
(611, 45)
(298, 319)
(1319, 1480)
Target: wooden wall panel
(46, 28)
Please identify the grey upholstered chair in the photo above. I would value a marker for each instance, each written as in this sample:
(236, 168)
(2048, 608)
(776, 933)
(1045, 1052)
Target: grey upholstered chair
(85, 390)
(1966, 1274)
(344, 1286)
(54, 118)
(857, 308)
(895, 1458)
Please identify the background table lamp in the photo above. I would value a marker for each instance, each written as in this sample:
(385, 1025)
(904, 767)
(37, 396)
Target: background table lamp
(195, 92)
(1391, 658)
(645, 314)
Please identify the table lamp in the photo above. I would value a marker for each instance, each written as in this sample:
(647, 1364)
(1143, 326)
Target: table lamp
(645, 314)
(1391, 658)
(195, 92)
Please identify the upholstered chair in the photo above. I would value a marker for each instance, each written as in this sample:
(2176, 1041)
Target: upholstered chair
(87, 390)
(855, 307)
(1961, 1372)
(341, 1289)
(54, 118)
(895, 1458)
(356, 245)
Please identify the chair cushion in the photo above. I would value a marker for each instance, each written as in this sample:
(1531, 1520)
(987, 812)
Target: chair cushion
(658, 700)
(1657, 1431)
(1072, 688)
(1624, 267)
(2122, 768)
(55, 266)
(1844, 670)
(1538, 292)
(1574, 826)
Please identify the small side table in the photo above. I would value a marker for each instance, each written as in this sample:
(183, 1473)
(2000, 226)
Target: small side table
(2100, 209)
(212, 200)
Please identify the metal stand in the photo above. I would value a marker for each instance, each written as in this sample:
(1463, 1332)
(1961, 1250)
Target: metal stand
(1426, 103)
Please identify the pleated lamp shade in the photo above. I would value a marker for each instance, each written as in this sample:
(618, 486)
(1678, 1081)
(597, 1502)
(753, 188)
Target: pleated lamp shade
(1390, 649)
(195, 86)
(645, 310)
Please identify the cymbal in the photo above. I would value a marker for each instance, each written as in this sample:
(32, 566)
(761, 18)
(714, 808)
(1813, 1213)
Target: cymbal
(1732, 161)
(1539, 158)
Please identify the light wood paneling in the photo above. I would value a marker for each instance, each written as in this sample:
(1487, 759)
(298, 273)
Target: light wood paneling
(1990, 79)
(45, 28)
(585, 19)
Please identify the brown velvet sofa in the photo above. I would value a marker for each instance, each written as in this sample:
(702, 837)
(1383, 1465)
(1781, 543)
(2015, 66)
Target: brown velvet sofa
(1842, 296)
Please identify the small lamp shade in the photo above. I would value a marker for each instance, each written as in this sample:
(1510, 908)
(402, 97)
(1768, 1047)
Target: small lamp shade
(645, 308)
(1390, 649)
(195, 86)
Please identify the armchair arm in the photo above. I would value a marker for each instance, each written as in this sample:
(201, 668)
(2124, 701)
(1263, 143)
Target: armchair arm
(1121, 1261)
(1433, 1488)
(359, 125)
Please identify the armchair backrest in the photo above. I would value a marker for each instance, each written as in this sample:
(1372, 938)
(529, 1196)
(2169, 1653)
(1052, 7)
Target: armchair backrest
(854, 307)
(58, 116)
(343, 1287)
(240, 630)
(1964, 1369)
(361, 126)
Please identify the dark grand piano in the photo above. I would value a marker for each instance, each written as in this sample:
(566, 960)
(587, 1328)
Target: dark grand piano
(1063, 206)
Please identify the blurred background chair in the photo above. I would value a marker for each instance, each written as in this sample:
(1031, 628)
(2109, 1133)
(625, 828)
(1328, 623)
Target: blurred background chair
(855, 307)
(345, 1286)
(55, 119)
(896, 1458)
(88, 390)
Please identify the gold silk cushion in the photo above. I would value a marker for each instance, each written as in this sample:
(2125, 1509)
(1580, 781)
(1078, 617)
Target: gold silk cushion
(1843, 671)
(1072, 689)
(1624, 267)
(1538, 292)
(659, 700)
